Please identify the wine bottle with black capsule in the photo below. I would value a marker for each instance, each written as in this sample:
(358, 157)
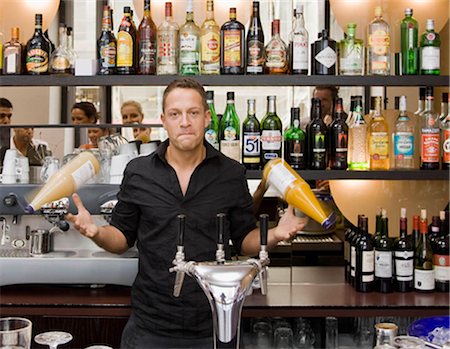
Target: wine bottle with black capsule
(383, 258)
(364, 277)
(403, 257)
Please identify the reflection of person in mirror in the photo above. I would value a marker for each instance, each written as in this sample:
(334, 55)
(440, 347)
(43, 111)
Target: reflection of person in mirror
(182, 176)
(85, 113)
(131, 112)
(327, 95)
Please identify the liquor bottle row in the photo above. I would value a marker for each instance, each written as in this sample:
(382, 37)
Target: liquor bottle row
(348, 142)
(418, 261)
(188, 49)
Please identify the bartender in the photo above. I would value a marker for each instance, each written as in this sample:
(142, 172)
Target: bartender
(184, 175)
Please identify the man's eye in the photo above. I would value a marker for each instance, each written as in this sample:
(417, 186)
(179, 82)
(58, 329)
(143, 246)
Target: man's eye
(194, 113)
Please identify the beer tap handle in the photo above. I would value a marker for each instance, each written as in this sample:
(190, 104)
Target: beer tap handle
(263, 254)
(181, 225)
(263, 228)
(220, 253)
(179, 256)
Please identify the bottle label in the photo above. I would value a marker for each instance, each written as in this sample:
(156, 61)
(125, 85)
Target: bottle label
(300, 52)
(367, 266)
(10, 66)
(403, 145)
(379, 42)
(167, 46)
(446, 147)
(294, 152)
(276, 56)
(251, 141)
(379, 145)
(37, 60)
(352, 261)
(326, 57)
(441, 267)
(230, 148)
(352, 62)
(211, 137)
(232, 48)
(424, 279)
(108, 55)
(210, 44)
(280, 177)
(255, 58)
(188, 48)
(82, 174)
(271, 140)
(431, 58)
(60, 64)
(147, 54)
(383, 264)
(404, 265)
(124, 49)
(430, 147)
(341, 143)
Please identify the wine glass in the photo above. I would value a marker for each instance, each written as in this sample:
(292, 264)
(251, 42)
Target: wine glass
(53, 338)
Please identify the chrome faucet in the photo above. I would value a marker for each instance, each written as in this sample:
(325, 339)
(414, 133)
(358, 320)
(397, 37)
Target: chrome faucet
(225, 283)
(4, 228)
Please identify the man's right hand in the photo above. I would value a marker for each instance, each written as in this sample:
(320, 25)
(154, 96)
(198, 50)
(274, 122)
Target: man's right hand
(82, 221)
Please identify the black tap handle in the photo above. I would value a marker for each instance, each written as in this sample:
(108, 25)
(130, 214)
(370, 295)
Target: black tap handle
(181, 223)
(63, 225)
(220, 227)
(263, 228)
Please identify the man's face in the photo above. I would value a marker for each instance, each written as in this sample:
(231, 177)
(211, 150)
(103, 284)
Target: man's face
(130, 115)
(326, 101)
(185, 118)
(5, 115)
(23, 135)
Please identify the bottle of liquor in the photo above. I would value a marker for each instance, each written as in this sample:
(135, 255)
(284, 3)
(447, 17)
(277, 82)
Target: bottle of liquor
(60, 57)
(52, 45)
(106, 46)
(409, 29)
(338, 137)
(348, 235)
(317, 138)
(229, 130)
(271, 133)
(441, 257)
(430, 134)
(212, 130)
(378, 139)
(37, 54)
(189, 44)
(146, 38)
(383, 258)
(403, 139)
(126, 45)
(12, 54)
(167, 44)
(421, 102)
(430, 51)
(423, 263)
(378, 45)
(351, 53)
(255, 43)
(69, 48)
(444, 124)
(403, 257)
(415, 235)
(444, 106)
(251, 138)
(364, 274)
(295, 142)
(210, 43)
(298, 44)
(358, 152)
(232, 46)
(276, 52)
(323, 55)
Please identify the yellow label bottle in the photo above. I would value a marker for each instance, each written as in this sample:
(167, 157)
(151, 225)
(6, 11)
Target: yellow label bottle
(378, 139)
(210, 43)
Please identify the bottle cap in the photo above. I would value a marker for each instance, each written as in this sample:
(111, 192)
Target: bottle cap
(378, 11)
(209, 95)
(430, 24)
(299, 8)
(230, 96)
(403, 212)
(402, 105)
(423, 214)
(127, 9)
(408, 11)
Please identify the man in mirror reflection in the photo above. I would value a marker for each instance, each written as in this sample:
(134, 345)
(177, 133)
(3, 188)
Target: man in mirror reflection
(132, 113)
(327, 95)
(184, 175)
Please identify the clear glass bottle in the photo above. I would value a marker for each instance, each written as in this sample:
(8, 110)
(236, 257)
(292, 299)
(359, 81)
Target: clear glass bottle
(298, 44)
(430, 51)
(210, 43)
(232, 46)
(60, 58)
(147, 37)
(230, 130)
(12, 54)
(409, 43)
(212, 130)
(378, 138)
(358, 152)
(189, 44)
(276, 52)
(271, 133)
(430, 134)
(351, 53)
(378, 45)
(69, 48)
(295, 142)
(255, 43)
(403, 139)
(167, 44)
(251, 138)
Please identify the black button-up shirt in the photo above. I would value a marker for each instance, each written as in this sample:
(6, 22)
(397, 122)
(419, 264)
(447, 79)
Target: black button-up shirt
(149, 201)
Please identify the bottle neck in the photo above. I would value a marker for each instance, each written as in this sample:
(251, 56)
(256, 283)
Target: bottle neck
(384, 227)
(146, 8)
(210, 10)
(299, 20)
(403, 227)
(429, 103)
(251, 108)
(271, 106)
(295, 118)
(190, 16)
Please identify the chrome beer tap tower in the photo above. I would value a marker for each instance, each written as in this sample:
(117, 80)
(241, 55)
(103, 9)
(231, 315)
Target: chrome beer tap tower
(225, 283)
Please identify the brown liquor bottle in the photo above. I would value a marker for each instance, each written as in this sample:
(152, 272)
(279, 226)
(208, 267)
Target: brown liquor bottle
(126, 45)
(147, 43)
(232, 42)
(276, 52)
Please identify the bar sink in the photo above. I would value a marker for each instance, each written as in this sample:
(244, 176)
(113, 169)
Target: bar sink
(105, 254)
(55, 254)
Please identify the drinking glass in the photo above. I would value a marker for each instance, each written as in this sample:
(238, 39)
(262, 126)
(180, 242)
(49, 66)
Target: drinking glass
(53, 338)
(283, 338)
(262, 334)
(15, 332)
(331, 333)
(304, 337)
(49, 168)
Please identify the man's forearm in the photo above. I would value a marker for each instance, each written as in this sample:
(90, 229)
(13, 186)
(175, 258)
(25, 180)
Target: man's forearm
(111, 239)
(251, 243)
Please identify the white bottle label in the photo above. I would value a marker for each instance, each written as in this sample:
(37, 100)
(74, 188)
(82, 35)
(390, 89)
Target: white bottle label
(230, 148)
(352, 261)
(404, 265)
(383, 264)
(271, 139)
(188, 53)
(327, 57)
(83, 174)
(431, 58)
(300, 52)
(11, 64)
(424, 279)
(368, 266)
(441, 267)
(280, 177)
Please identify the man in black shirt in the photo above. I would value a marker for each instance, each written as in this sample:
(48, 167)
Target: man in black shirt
(185, 175)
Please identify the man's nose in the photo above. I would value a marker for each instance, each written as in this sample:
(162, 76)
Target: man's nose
(185, 120)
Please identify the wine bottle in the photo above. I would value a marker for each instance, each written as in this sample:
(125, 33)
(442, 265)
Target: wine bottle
(347, 235)
(276, 52)
(212, 130)
(423, 263)
(376, 236)
(430, 134)
(403, 257)
(106, 46)
(251, 139)
(383, 258)
(353, 239)
(66, 181)
(430, 51)
(316, 136)
(232, 46)
(255, 43)
(229, 130)
(441, 257)
(146, 38)
(338, 136)
(295, 142)
(323, 55)
(271, 133)
(37, 56)
(210, 43)
(403, 139)
(434, 230)
(378, 139)
(12, 54)
(167, 43)
(298, 44)
(415, 235)
(126, 45)
(409, 43)
(364, 273)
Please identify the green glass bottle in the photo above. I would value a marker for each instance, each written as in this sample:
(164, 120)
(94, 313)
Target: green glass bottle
(271, 137)
(430, 51)
(212, 130)
(229, 130)
(251, 139)
(295, 142)
(351, 52)
(409, 32)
